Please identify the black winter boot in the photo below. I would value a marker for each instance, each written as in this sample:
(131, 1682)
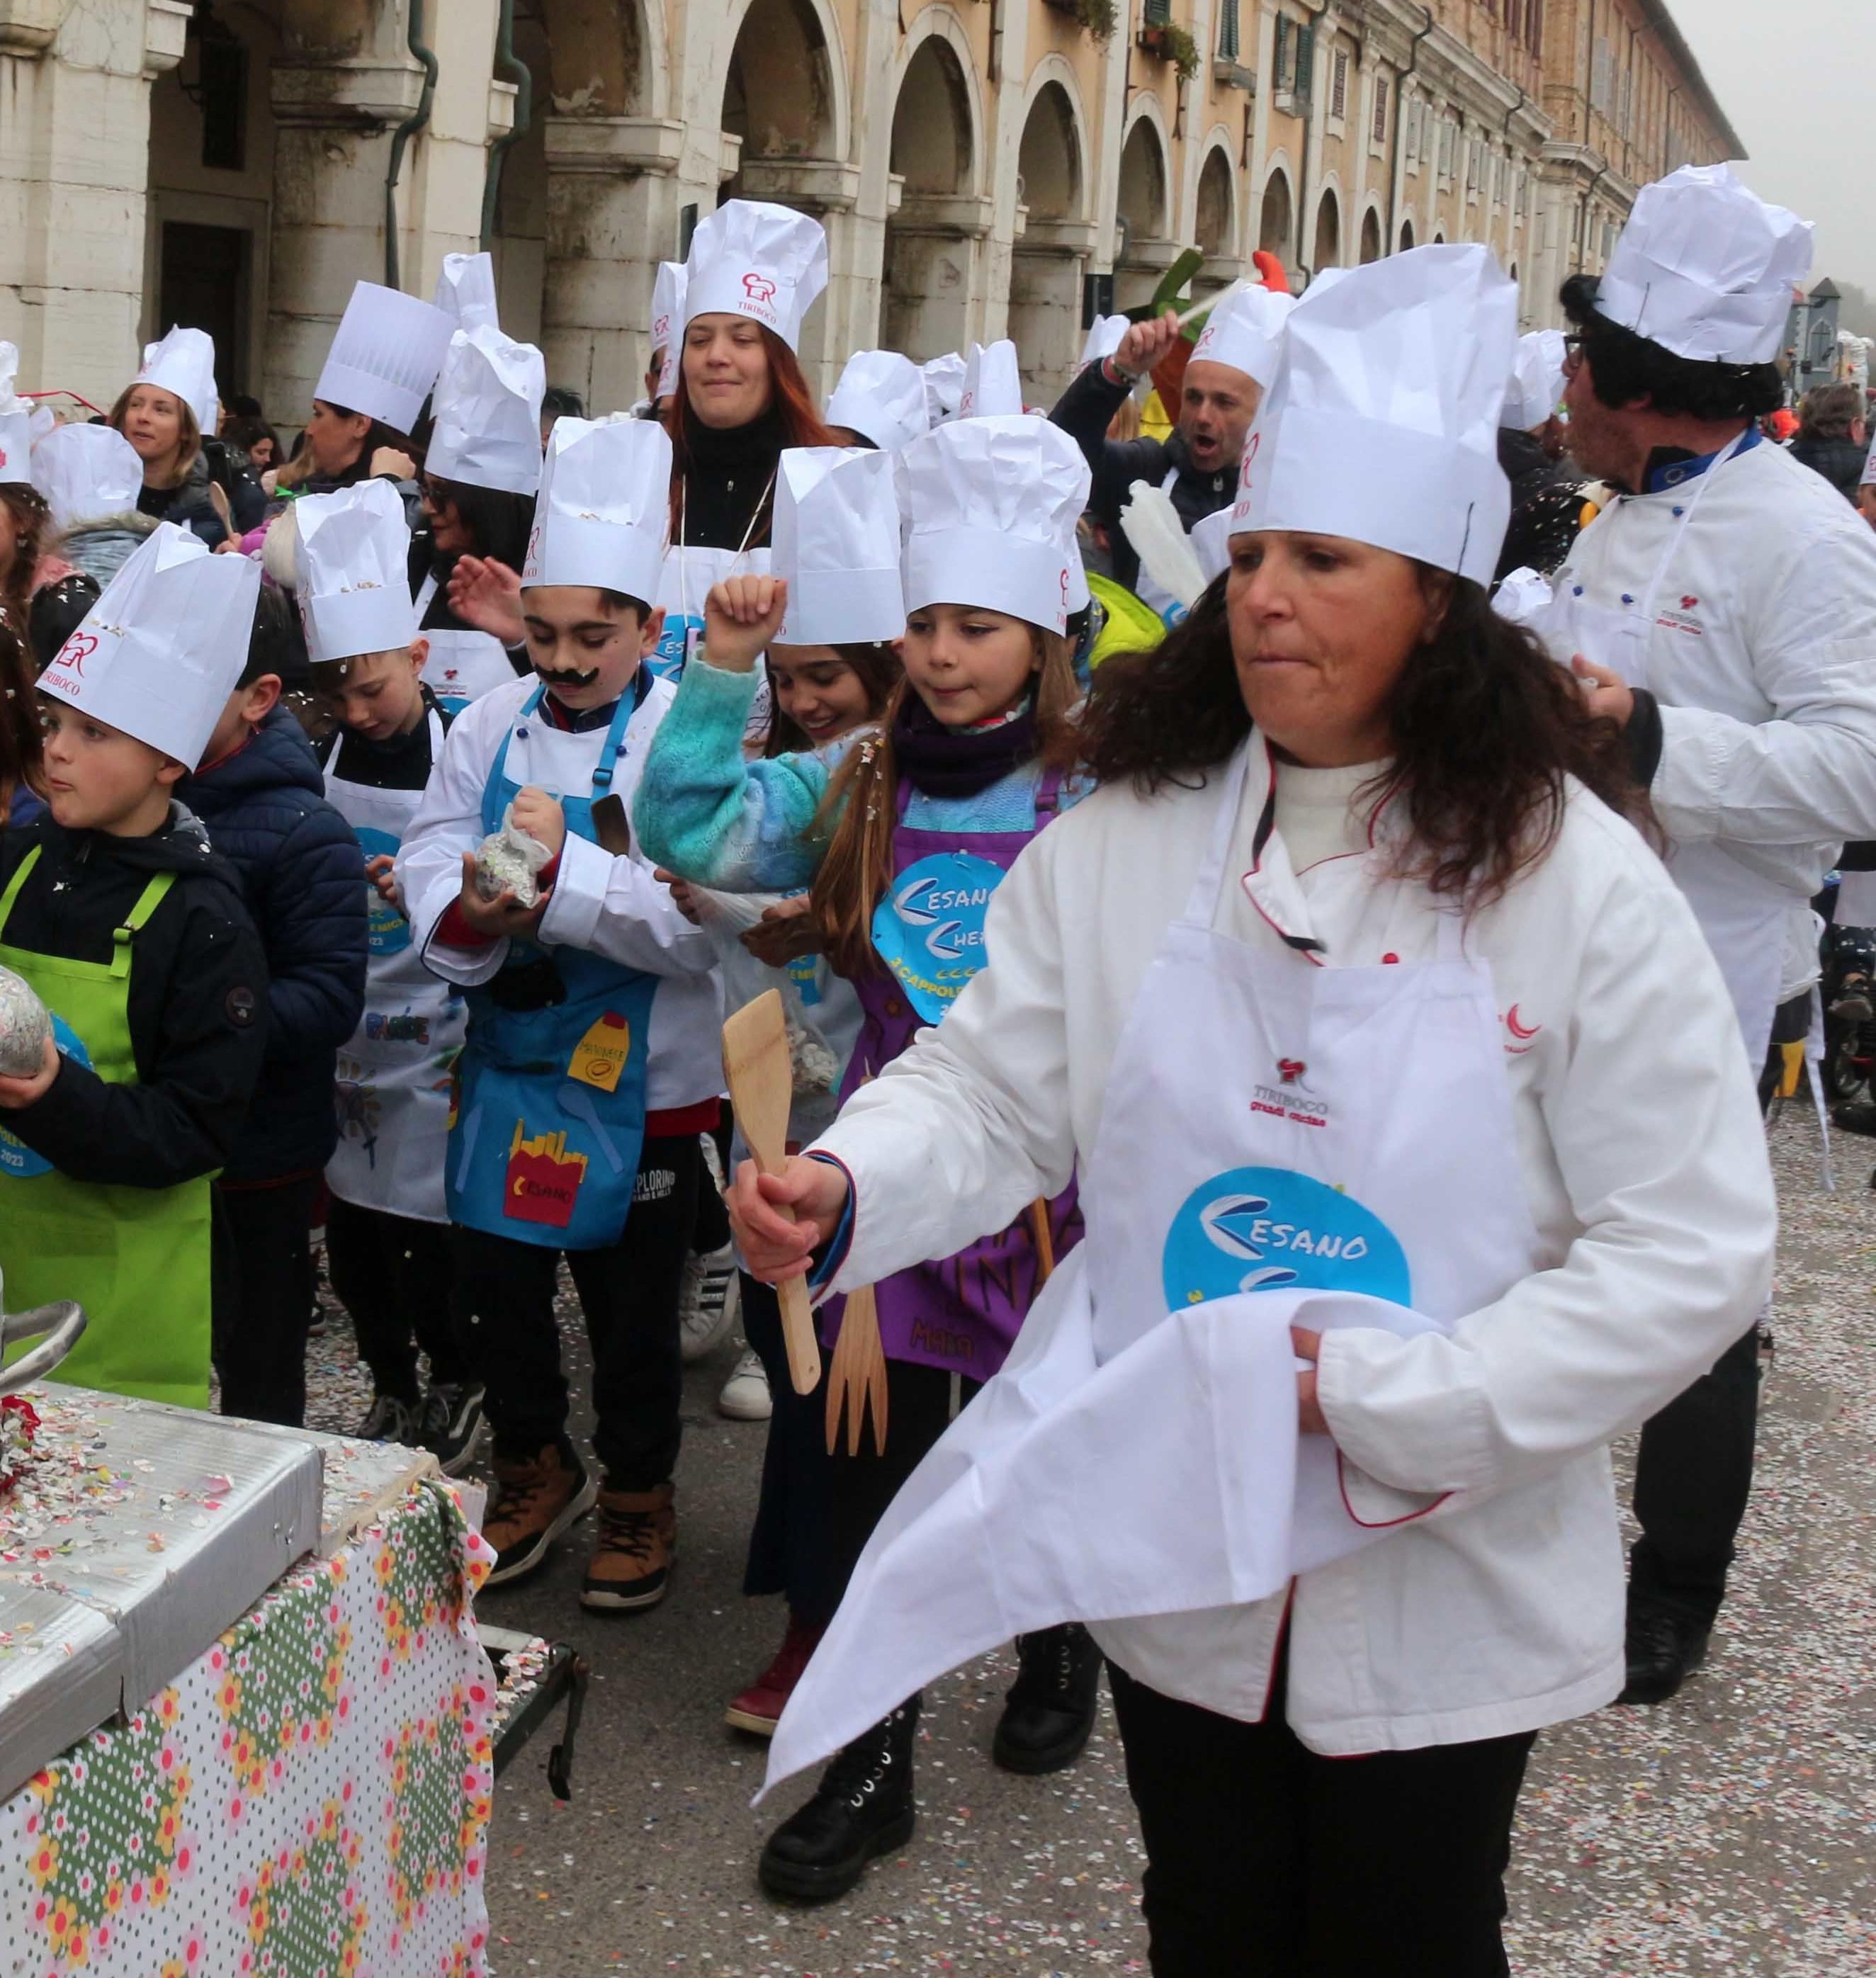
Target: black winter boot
(862, 1808)
(1049, 1714)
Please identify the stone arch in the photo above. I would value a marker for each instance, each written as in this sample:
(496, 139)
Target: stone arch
(1407, 235)
(1276, 224)
(784, 86)
(1051, 254)
(1370, 235)
(599, 61)
(938, 221)
(1145, 206)
(1327, 235)
(1214, 207)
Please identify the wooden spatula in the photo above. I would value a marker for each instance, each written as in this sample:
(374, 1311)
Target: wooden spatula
(762, 1086)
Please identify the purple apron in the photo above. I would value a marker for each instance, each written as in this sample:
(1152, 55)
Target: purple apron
(961, 1313)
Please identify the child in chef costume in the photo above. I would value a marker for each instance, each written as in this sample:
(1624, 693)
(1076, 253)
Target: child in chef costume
(387, 1232)
(903, 837)
(130, 931)
(592, 1059)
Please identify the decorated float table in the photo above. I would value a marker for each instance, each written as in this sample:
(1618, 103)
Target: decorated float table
(245, 1724)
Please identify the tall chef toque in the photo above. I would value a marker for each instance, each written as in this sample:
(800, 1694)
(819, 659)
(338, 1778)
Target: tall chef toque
(161, 651)
(1381, 422)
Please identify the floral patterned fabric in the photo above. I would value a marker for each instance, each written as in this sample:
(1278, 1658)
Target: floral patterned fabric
(310, 1798)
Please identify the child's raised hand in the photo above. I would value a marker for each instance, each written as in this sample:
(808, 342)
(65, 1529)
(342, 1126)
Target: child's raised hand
(741, 615)
(487, 595)
(16, 1094)
(540, 816)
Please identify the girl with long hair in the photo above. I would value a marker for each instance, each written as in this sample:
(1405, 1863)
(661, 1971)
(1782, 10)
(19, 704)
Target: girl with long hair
(902, 837)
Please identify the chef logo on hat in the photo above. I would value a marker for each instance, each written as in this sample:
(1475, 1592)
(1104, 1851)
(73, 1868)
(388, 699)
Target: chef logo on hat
(758, 288)
(76, 650)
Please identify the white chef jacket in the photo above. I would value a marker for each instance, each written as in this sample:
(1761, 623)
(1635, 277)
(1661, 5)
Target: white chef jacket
(610, 907)
(1643, 1160)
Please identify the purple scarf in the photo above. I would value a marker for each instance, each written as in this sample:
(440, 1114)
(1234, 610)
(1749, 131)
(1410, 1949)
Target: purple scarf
(950, 763)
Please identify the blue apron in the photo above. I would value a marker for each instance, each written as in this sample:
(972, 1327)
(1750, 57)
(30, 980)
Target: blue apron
(547, 1110)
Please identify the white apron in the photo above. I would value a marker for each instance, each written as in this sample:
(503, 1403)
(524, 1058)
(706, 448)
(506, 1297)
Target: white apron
(1280, 1143)
(1154, 596)
(1742, 913)
(683, 584)
(393, 1086)
(464, 664)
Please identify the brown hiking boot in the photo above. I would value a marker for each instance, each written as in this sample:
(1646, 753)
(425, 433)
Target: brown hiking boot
(637, 1541)
(536, 1500)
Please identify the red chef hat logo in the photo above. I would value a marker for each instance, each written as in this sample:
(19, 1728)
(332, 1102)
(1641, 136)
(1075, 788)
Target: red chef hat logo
(759, 288)
(76, 650)
(1291, 1068)
(1688, 603)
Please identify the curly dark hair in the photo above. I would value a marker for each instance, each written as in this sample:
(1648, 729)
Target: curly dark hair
(1624, 367)
(1487, 727)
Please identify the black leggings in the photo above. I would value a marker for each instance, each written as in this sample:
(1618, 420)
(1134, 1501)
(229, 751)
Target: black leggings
(262, 1297)
(1265, 1860)
(396, 1276)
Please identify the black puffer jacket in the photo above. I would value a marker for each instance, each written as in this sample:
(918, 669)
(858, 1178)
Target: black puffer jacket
(265, 812)
(1084, 411)
(194, 1003)
(190, 504)
(1839, 461)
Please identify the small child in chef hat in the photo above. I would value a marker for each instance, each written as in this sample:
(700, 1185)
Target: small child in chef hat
(144, 1083)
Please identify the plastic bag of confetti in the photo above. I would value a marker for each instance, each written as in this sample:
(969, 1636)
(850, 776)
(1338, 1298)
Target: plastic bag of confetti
(509, 861)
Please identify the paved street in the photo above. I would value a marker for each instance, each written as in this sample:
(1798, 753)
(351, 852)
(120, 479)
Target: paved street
(1729, 1832)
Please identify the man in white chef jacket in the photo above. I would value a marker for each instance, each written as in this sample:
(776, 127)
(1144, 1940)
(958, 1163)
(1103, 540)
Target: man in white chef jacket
(1724, 607)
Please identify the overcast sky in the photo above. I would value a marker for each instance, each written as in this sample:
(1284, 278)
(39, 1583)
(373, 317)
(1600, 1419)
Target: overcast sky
(1801, 108)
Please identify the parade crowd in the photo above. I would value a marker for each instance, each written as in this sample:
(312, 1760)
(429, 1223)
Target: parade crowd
(1286, 883)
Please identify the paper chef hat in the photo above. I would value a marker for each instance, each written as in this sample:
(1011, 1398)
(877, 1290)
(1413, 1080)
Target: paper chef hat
(943, 377)
(184, 364)
(836, 540)
(992, 504)
(667, 322)
(750, 258)
(1537, 380)
(1103, 338)
(603, 513)
(15, 422)
(385, 356)
(487, 405)
(160, 652)
(1381, 424)
(465, 290)
(352, 552)
(85, 471)
(1704, 268)
(1246, 332)
(992, 384)
(881, 397)
(1210, 537)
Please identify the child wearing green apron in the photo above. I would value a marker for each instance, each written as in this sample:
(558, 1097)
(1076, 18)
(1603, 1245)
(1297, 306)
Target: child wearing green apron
(133, 934)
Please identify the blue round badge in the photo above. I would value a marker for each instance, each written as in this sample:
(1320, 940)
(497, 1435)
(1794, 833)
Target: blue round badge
(386, 930)
(1256, 1229)
(929, 928)
(16, 1158)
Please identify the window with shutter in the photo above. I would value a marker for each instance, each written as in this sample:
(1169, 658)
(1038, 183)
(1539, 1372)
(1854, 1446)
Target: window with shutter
(1601, 70)
(1381, 109)
(1305, 60)
(1228, 30)
(1156, 13)
(1338, 86)
(1284, 50)
(1446, 137)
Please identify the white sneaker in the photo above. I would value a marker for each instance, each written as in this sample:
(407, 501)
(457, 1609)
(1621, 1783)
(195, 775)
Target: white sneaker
(709, 1301)
(746, 1396)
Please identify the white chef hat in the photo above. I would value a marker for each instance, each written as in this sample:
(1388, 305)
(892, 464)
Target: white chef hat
(1245, 331)
(881, 397)
(602, 516)
(161, 651)
(465, 290)
(352, 557)
(750, 258)
(488, 406)
(85, 471)
(1103, 338)
(944, 379)
(667, 323)
(1869, 466)
(836, 540)
(1381, 423)
(15, 421)
(992, 384)
(385, 356)
(1704, 268)
(1537, 380)
(1210, 537)
(183, 363)
(991, 505)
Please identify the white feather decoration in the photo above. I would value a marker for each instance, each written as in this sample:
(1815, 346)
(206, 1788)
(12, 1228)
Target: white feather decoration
(1151, 523)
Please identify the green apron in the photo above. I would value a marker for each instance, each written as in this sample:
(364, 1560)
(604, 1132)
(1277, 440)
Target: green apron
(136, 1259)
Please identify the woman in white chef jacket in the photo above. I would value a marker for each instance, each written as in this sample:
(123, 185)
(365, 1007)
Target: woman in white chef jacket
(1378, 1038)
(479, 480)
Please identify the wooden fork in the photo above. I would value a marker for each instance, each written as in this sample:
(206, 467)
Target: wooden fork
(856, 1375)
